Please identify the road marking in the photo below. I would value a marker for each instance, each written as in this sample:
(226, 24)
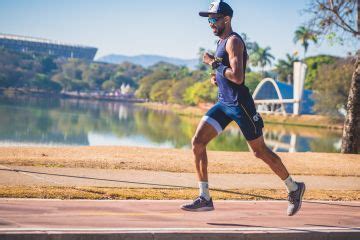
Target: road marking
(31, 175)
(354, 203)
(102, 214)
(14, 170)
(272, 229)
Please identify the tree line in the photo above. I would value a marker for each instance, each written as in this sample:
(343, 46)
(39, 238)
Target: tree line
(167, 83)
(35, 71)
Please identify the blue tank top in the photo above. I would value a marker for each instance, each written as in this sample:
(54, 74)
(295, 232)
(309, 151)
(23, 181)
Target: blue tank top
(231, 93)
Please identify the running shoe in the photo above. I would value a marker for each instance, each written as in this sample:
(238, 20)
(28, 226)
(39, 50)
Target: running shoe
(295, 199)
(200, 204)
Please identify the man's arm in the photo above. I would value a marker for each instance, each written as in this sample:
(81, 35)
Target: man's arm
(235, 50)
(236, 71)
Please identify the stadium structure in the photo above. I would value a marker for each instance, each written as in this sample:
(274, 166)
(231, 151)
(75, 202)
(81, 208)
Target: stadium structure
(39, 45)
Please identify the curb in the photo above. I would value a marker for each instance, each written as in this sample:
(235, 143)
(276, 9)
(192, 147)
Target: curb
(169, 235)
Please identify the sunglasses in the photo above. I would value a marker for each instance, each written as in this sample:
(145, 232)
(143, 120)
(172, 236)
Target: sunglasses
(214, 20)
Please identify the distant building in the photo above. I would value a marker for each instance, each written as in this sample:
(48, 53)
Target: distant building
(273, 96)
(54, 48)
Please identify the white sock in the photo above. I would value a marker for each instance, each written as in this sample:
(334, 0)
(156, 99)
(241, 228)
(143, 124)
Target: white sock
(204, 190)
(290, 184)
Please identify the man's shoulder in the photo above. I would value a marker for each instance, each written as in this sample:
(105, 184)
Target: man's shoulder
(236, 41)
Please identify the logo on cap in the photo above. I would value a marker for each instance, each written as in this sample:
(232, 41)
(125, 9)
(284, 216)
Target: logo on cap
(214, 7)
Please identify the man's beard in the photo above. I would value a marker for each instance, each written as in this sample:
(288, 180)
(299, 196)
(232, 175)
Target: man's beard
(219, 31)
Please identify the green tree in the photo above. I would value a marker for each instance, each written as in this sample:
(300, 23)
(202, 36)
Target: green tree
(313, 65)
(17, 68)
(164, 67)
(181, 73)
(48, 65)
(42, 81)
(285, 67)
(133, 71)
(78, 85)
(260, 57)
(200, 92)
(109, 85)
(62, 80)
(146, 83)
(97, 73)
(199, 76)
(119, 79)
(177, 90)
(252, 80)
(304, 36)
(332, 87)
(160, 91)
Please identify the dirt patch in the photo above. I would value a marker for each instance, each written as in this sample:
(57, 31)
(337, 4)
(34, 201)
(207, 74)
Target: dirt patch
(167, 193)
(175, 160)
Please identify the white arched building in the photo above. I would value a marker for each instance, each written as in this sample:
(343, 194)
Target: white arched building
(272, 96)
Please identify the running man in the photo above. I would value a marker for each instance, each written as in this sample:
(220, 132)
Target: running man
(234, 104)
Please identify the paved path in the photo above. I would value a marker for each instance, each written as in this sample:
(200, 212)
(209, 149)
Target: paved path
(146, 219)
(30, 176)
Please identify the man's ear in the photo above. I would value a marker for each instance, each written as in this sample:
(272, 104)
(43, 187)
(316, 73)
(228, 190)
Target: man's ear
(227, 19)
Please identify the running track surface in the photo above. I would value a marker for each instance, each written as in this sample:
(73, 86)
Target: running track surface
(148, 219)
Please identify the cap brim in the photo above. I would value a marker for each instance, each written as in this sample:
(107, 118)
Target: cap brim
(204, 14)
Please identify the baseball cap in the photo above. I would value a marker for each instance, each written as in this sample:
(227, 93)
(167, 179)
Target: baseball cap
(218, 7)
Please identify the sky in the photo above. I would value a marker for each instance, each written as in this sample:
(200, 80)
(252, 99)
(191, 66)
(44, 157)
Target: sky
(160, 27)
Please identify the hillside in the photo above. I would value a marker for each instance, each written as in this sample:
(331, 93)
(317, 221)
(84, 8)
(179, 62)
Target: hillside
(147, 60)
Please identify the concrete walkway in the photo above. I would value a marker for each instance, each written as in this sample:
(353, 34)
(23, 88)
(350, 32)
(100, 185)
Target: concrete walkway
(30, 176)
(146, 219)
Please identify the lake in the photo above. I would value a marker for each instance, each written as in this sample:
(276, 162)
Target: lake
(36, 121)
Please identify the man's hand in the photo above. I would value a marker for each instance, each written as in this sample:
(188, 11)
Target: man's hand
(208, 58)
(213, 79)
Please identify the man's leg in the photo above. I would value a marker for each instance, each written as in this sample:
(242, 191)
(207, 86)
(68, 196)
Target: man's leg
(260, 150)
(204, 134)
(295, 190)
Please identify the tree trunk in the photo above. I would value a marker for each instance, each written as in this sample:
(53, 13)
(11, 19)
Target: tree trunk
(351, 132)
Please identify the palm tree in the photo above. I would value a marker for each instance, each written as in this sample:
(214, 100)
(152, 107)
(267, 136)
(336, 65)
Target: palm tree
(260, 57)
(304, 36)
(246, 39)
(284, 68)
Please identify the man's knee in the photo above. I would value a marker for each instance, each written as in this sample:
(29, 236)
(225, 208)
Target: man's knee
(266, 155)
(197, 144)
(259, 153)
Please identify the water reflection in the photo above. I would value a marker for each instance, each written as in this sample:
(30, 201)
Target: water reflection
(30, 120)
